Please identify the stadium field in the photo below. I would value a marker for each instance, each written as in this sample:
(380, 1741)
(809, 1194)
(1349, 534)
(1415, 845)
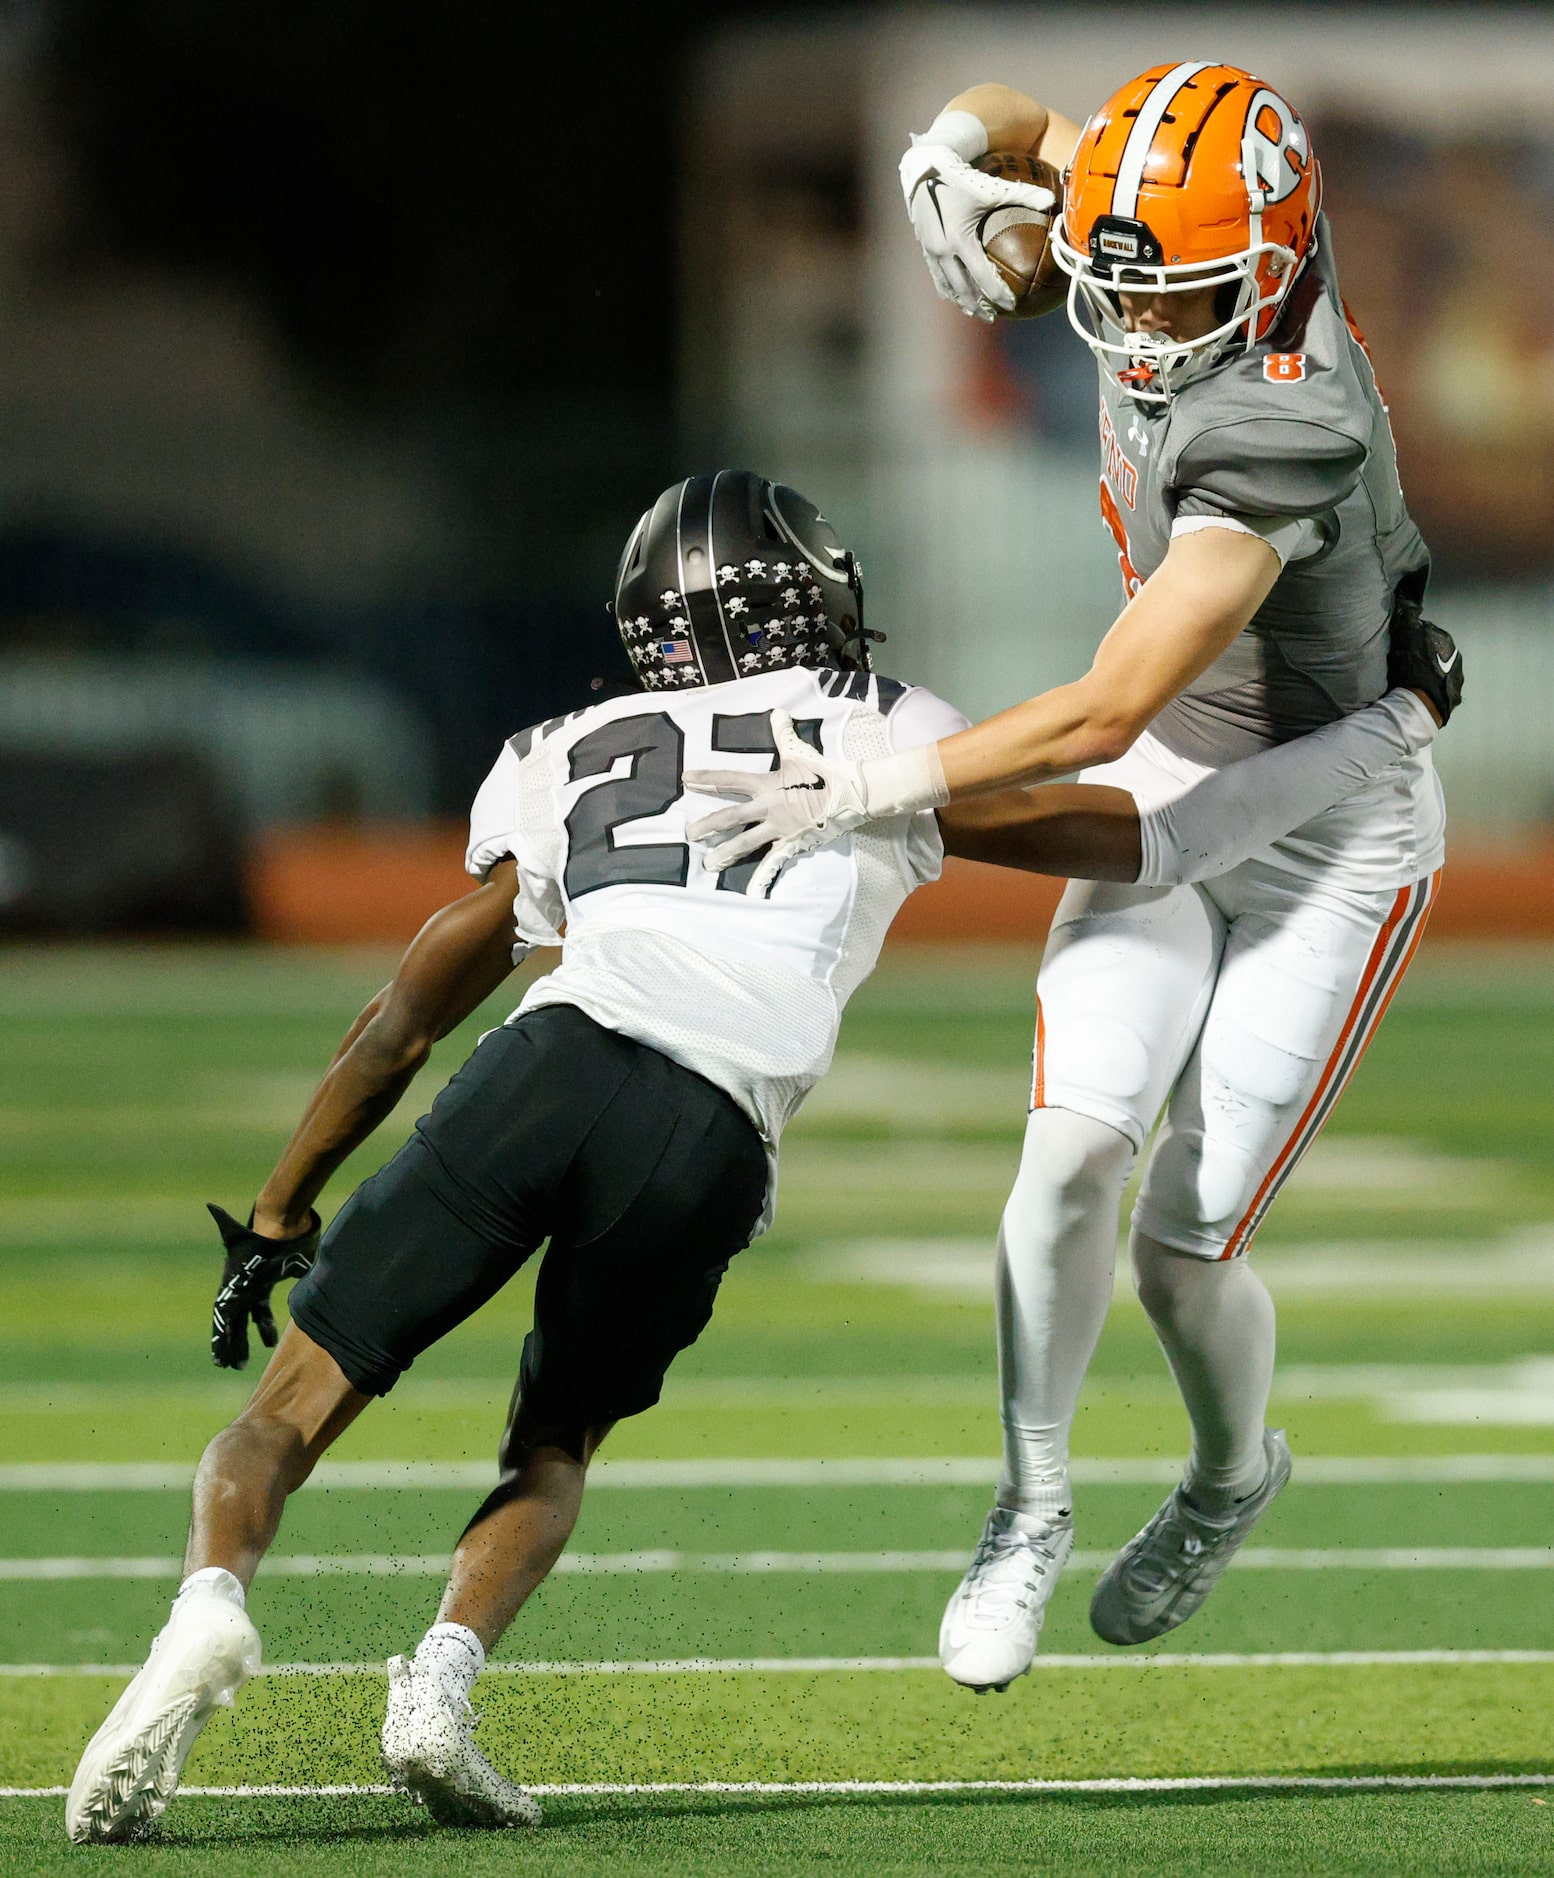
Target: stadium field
(734, 1670)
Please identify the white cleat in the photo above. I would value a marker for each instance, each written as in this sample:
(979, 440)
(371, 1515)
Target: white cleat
(206, 1651)
(428, 1752)
(992, 1623)
(1164, 1574)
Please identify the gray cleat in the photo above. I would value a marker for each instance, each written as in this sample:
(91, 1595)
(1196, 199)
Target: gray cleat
(1162, 1577)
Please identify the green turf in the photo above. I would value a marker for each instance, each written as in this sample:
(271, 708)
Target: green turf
(912, 1725)
(693, 1837)
(144, 1081)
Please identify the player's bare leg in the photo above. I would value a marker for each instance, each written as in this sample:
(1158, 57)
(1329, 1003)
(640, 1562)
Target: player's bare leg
(506, 1552)
(302, 1405)
(209, 1647)
(510, 1545)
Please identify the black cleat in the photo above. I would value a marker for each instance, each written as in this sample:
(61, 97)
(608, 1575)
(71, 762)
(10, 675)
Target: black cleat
(1424, 657)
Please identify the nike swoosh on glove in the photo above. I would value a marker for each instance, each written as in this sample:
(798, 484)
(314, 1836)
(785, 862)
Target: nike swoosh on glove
(810, 801)
(948, 200)
(254, 1265)
(1424, 657)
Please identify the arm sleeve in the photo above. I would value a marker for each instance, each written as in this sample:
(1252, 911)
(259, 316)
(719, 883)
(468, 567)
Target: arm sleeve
(1238, 810)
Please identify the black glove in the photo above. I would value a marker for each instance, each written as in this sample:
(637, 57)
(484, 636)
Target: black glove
(1424, 657)
(253, 1265)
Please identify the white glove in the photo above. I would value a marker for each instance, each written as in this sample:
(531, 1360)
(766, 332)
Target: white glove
(811, 801)
(948, 201)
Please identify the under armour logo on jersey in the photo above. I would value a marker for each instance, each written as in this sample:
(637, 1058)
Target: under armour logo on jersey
(1284, 368)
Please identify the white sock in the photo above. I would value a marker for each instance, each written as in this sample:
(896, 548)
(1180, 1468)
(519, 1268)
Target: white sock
(1056, 1248)
(1215, 1322)
(454, 1655)
(1238, 810)
(215, 1578)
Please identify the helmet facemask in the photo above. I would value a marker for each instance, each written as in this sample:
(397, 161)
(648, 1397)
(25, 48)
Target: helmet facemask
(1153, 366)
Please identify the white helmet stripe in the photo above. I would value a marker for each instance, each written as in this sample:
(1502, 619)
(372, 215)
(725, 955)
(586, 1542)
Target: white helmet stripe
(1130, 171)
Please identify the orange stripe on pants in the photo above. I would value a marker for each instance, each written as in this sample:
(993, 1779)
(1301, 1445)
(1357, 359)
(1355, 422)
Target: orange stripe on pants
(1039, 1082)
(1326, 1092)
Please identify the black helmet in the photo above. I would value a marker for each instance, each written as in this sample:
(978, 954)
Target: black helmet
(730, 575)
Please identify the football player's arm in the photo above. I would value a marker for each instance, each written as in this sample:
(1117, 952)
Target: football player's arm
(1091, 831)
(1203, 594)
(1014, 121)
(948, 197)
(459, 957)
(1082, 831)
(1190, 610)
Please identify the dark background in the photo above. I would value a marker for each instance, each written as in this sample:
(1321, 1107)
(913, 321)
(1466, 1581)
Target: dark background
(458, 222)
(454, 223)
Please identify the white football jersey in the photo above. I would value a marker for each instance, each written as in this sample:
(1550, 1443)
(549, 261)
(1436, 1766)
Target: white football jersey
(746, 992)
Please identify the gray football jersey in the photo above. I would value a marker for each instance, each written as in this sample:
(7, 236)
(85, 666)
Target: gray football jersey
(1294, 428)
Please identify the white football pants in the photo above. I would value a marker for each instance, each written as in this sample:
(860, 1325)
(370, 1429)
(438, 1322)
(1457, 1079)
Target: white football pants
(1241, 1007)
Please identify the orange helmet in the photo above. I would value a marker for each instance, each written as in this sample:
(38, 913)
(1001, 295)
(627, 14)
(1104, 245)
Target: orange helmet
(1193, 175)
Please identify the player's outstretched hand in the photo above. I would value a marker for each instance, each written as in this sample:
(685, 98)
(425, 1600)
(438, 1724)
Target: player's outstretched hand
(254, 1266)
(810, 801)
(1424, 657)
(949, 200)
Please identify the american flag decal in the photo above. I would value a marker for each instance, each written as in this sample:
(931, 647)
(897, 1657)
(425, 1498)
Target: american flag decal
(676, 651)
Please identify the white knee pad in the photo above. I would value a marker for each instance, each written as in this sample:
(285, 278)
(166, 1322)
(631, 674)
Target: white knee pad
(1196, 1187)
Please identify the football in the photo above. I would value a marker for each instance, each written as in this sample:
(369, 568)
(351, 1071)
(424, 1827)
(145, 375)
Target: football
(1015, 239)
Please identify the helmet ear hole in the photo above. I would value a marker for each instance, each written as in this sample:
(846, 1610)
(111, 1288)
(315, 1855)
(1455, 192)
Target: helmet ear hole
(763, 525)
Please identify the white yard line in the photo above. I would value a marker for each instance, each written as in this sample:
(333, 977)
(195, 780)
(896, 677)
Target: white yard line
(1510, 1394)
(835, 1665)
(1187, 1783)
(929, 1471)
(634, 1564)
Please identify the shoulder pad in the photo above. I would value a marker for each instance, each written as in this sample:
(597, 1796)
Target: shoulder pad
(1287, 429)
(1271, 465)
